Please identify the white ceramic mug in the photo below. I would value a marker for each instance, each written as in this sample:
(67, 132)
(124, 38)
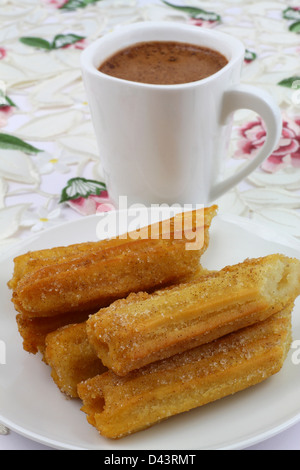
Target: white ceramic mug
(167, 143)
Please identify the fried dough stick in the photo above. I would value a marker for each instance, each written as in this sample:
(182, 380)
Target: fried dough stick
(35, 260)
(71, 358)
(95, 279)
(118, 406)
(144, 328)
(35, 330)
(70, 355)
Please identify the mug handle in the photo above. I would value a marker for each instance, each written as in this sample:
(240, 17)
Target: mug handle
(259, 101)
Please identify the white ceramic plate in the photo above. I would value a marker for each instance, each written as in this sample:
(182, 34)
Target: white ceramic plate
(32, 405)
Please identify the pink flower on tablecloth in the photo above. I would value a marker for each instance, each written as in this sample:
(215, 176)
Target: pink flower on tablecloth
(203, 23)
(5, 113)
(92, 204)
(81, 45)
(253, 136)
(57, 3)
(2, 53)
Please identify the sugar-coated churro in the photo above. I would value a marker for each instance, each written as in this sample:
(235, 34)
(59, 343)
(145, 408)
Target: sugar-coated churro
(118, 406)
(87, 278)
(144, 328)
(66, 350)
(71, 358)
(35, 330)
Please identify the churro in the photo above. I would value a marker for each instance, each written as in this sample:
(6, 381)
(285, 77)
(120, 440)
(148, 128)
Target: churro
(145, 328)
(35, 260)
(71, 358)
(34, 331)
(91, 278)
(66, 350)
(118, 406)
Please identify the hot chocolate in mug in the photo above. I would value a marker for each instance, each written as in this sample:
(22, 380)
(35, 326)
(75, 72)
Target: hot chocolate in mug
(168, 143)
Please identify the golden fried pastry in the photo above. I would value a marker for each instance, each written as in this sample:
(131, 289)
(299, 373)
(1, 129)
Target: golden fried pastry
(118, 406)
(34, 330)
(70, 355)
(144, 328)
(71, 358)
(95, 278)
(35, 260)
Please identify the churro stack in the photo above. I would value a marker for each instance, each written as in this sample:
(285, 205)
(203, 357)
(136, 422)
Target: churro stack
(169, 336)
(180, 348)
(118, 406)
(64, 285)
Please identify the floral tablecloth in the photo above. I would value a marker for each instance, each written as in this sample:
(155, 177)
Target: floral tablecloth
(50, 170)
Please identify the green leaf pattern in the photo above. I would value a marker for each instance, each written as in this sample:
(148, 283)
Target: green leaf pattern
(81, 187)
(291, 82)
(38, 43)
(292, 14)
(5, 100)
(195, 13)
(60, 40)
(74, 4)
(295, 27)
(10, 142)
(250, 55)
(9, 102)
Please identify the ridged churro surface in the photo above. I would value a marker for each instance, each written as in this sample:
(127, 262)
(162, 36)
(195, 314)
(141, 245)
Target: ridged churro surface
(88, 277)
(118, 406)
(66, 350)
(71, 358)
(144, 328)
